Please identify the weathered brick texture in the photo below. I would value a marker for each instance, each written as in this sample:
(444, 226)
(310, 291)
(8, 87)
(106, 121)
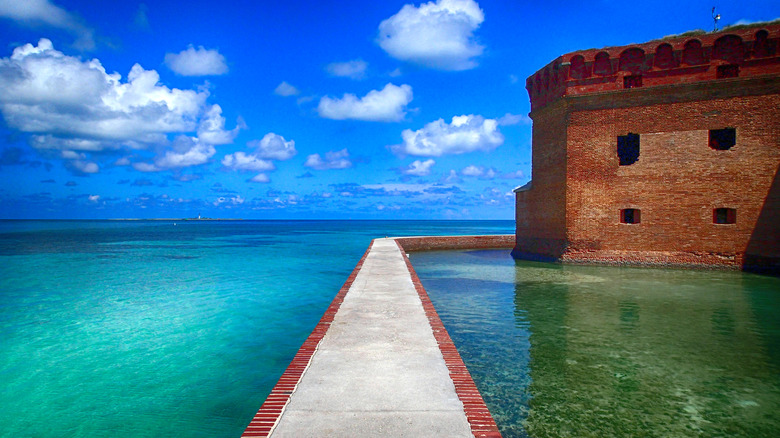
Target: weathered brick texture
(435, 243)
(571, 211)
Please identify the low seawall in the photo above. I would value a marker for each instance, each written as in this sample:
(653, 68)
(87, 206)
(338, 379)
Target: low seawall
(435, 243)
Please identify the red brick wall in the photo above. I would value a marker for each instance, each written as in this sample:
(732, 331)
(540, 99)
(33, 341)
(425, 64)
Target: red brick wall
(540, 214)
(431, 243)
(678, 179)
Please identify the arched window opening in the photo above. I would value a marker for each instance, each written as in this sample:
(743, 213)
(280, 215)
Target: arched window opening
(602, 65)
(632, 60)
(761, 47)
(692, 53)
(664, 56)
(729, 48)
(578, 69)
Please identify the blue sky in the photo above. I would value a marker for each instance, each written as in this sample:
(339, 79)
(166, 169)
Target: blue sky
(290, 109)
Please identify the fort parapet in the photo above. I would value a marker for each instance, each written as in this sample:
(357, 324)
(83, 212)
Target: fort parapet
(672, 61)
(664, 152)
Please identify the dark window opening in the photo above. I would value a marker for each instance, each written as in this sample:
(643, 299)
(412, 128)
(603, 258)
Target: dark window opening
(761, 46)
(628, 149)
(724, 216)
(664, 56)
(727, 71)
(723, 139)
(632, 81)
(578, 69)
(729, 48)
(632, 60)
(602, 65)
(692, 53)
(630, 216)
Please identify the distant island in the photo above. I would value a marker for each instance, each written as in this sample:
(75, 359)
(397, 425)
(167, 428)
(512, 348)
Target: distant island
(199, 218)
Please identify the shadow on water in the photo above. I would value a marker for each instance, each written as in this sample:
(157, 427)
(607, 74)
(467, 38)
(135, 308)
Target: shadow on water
(765, 305)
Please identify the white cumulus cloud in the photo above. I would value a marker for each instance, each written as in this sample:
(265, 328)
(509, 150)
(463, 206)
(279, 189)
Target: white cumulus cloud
(467, 133)
(332, 160)
(235, 200)
(78, 163)
(472, 171)
(420, 168)
(479, 171)
(514, 119)
(436, 34)
(193, 154)
(211, 129)
(186, 152)
(452, 177)
(260, 178)
(351, 69)
(42, 90)
(514, 175)
(271, 147)
(197, 62)
(194, 151)
(84, 166)
(274, 147)
(385, 105)
(32, 12)
(67, 104)
(285, 89)
(248, 162)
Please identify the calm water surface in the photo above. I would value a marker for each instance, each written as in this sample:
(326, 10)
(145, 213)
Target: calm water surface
(582, 351)
(150, 329)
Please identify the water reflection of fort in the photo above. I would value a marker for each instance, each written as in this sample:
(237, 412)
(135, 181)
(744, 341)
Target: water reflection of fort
(625, 352)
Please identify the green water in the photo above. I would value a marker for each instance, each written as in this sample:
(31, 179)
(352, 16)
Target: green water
(582, 351)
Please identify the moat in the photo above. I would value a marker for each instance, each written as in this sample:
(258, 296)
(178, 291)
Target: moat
(580, 351)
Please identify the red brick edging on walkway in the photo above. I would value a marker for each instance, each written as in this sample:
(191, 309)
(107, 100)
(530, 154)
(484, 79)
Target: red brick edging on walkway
(266, 418)
(477, 413)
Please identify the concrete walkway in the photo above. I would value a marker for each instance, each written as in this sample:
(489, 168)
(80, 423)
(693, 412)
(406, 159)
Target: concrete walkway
(378, 371)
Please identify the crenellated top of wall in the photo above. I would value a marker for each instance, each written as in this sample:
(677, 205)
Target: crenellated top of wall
(744, 52)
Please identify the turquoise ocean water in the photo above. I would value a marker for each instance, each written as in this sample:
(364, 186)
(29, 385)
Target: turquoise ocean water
(590, 351)
(178, 329)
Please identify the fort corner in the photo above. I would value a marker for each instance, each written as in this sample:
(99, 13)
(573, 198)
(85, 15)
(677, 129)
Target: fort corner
(664, 153)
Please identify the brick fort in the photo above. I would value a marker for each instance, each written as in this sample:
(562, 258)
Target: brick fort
(661, 153)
